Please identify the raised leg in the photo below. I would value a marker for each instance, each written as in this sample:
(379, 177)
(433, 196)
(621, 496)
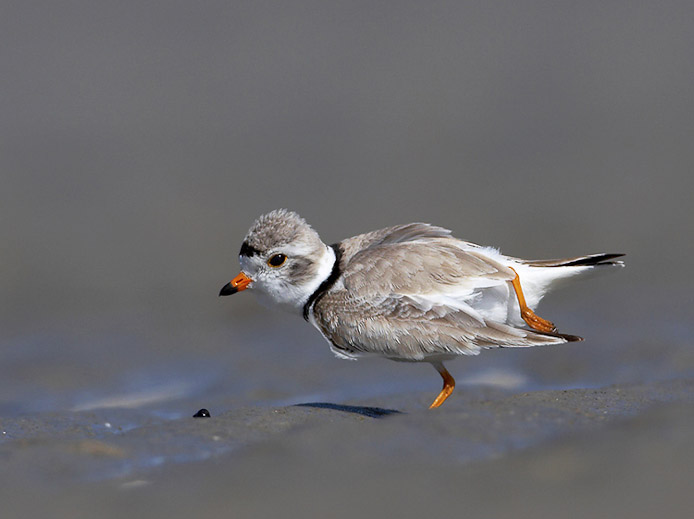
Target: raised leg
(534, 321)
(448, 385)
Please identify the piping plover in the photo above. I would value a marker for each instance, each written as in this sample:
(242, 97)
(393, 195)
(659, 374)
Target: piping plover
(410, 293)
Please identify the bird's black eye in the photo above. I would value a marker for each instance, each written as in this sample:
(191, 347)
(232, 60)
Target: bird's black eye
(277, 260)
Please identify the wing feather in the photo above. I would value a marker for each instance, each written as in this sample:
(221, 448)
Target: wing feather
(414, 268)
(397, 327)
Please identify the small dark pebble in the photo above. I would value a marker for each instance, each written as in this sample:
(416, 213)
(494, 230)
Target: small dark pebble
(203, 413)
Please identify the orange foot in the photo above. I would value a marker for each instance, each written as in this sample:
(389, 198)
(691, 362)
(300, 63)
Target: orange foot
(536, 322)
(531, 318)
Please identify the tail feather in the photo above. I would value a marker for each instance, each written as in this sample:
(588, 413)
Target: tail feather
(537, 277)
(580, 261)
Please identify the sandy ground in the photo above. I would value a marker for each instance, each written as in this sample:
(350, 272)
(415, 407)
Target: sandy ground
(618, 451)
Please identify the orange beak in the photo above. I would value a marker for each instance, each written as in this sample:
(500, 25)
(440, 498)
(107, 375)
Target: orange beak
(237, 284)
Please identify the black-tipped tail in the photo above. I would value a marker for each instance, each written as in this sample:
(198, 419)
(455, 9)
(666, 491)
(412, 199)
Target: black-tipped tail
(581, 261)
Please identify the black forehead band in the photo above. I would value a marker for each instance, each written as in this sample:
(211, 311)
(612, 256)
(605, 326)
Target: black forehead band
(248, 250)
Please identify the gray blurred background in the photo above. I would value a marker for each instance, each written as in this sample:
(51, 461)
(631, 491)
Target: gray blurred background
(139, 140)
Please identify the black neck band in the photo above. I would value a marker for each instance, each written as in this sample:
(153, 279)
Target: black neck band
(328, 283)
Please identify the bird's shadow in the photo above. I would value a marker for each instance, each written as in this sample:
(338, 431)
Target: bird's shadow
(371, 412)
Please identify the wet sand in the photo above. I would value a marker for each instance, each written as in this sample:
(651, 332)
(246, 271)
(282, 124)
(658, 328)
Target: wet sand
(617, 451)
(598, 429)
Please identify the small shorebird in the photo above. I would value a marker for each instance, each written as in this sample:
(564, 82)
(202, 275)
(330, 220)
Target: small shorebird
(409, 293)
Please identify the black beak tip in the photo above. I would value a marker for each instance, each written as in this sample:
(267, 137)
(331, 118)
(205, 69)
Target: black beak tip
(227, 290)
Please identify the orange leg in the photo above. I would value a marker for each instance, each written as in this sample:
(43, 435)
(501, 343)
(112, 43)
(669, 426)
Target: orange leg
(448, 385)
(534, 321)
